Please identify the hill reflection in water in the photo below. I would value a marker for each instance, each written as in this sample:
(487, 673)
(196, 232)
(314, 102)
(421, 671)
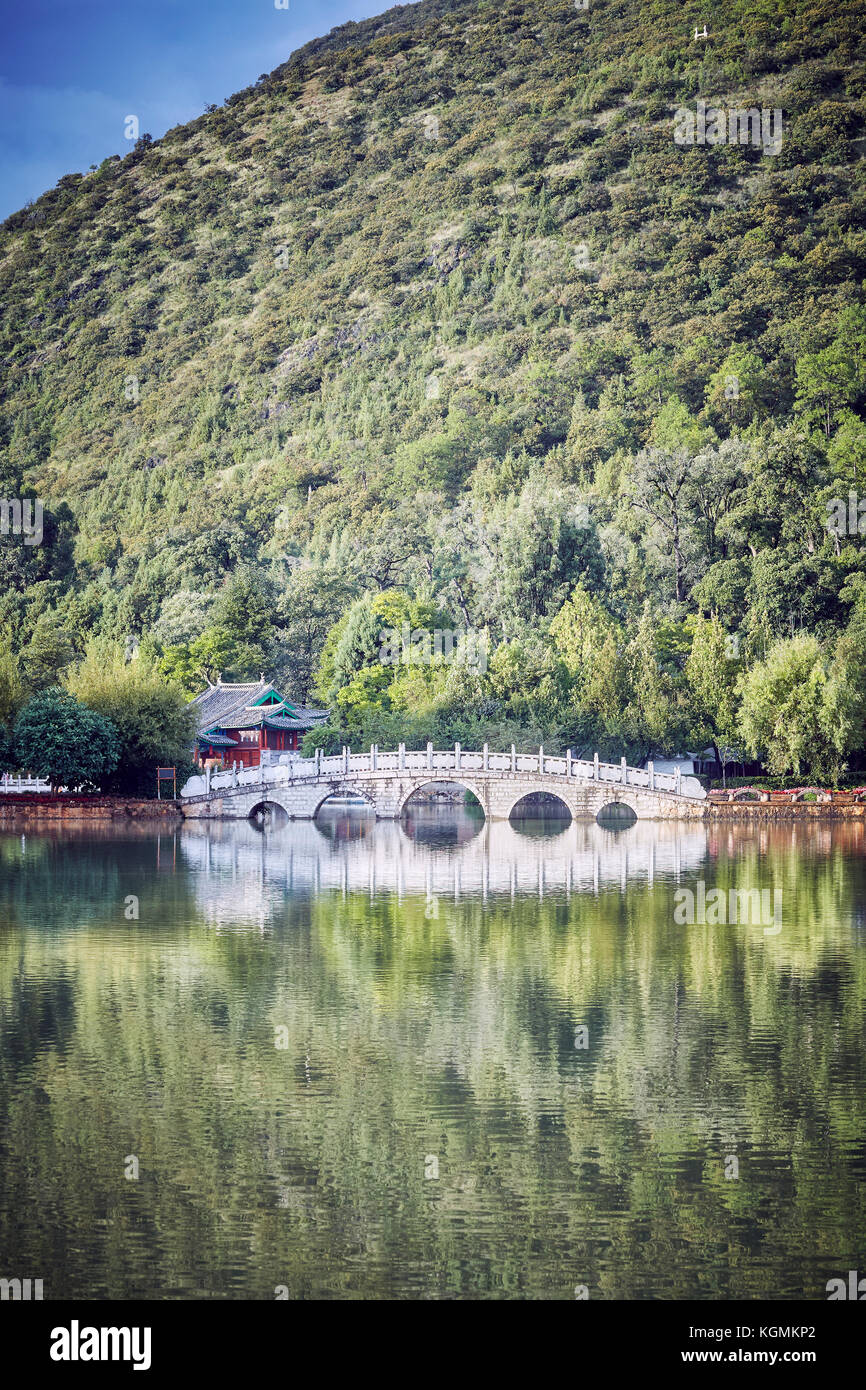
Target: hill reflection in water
(295, 1021)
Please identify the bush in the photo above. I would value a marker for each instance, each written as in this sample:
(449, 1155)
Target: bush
(59, 738)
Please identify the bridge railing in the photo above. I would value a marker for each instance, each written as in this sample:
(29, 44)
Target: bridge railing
(451, 760)
(9, 784)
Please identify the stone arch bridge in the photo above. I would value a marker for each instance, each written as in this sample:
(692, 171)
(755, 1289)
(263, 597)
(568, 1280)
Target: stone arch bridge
(387, 780)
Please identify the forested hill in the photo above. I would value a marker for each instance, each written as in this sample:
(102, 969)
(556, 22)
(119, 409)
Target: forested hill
(441, 310)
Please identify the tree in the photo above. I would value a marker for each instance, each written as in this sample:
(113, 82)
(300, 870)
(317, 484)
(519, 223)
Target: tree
(11, 686)
(7, 755)
(656, 715)
(363, 653)
(711, 673)
(153, 720)
(59, 738)
(800, 710)
(183, 617)
(534, 548)
(244, 613)
(658, 487)
(308, 608)
(190, 665)
(836, 375)
(735, 391)
(47, 655)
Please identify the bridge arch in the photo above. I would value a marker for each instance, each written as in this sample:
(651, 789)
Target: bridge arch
(466, 783)
(268, 811)
(618, 813)
(549, 806)
(366, 794)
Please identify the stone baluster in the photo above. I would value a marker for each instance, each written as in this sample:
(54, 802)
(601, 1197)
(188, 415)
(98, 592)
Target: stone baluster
(207, 776)
(651, 775)
(457, 757)
(541, 761)
(624, 772)
(513, 758)
(568, 764)
(678, 780)
(595, 767)
(429, 757)
(485, 757)
(401, 757)
(372, 757)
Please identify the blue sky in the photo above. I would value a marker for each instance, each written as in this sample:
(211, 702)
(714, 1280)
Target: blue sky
(72, 70)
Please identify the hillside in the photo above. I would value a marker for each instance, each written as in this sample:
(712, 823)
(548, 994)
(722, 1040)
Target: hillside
(441, 311)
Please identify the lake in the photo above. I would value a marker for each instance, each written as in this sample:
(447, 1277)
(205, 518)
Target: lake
(442, 1059)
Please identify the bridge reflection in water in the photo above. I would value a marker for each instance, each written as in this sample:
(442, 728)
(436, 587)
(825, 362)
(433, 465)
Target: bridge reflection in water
(437, 854)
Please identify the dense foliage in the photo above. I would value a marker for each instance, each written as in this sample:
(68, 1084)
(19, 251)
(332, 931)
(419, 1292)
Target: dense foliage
(59, 738)
(152, 718)
(439, 309)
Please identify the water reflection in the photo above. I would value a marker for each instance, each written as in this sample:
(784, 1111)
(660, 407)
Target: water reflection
(295, 1019)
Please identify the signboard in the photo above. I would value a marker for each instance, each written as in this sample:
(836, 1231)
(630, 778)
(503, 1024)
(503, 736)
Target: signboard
(166, 774)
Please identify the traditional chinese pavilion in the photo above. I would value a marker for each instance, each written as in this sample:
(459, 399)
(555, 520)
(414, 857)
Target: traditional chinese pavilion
(249, 724)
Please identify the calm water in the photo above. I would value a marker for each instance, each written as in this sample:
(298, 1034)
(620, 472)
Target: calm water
(303, 1026)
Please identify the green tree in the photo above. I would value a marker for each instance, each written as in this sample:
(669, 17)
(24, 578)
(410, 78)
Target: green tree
(47, 655)
(835, 375)
(153, 720)
(57, 737)
(308, 608)
(244, 613)
(800, 710)
(12, 690)
(711, 670)
(7, 755)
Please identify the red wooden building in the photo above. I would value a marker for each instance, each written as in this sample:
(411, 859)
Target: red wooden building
(248, 724)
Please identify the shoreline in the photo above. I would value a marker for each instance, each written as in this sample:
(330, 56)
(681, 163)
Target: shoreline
(18, 808)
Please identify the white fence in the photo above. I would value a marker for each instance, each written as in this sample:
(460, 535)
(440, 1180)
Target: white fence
(452, 760)
(23, 784)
